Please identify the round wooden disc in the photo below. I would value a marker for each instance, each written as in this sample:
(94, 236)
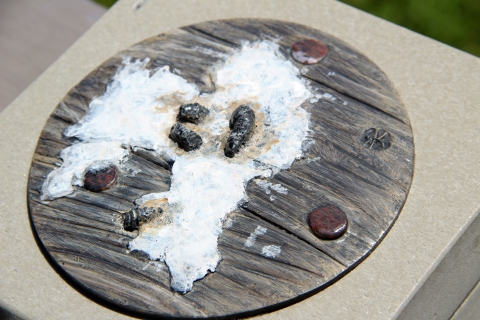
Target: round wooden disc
(361, 162)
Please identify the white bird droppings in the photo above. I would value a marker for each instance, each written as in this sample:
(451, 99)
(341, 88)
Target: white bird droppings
(268, 187)
(271, 251)
(139, 108)
(260, 231)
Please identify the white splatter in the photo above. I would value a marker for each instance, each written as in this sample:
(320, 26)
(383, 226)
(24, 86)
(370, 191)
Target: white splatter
(139, 108)
(229, 223)
(189, 244)
(259, 73)
(131, 111)
(271, 251)
(259, 231)
(268, 187)
(329, 96)
(279, 188)
(158, 267)
(209, 52)
(313, 160)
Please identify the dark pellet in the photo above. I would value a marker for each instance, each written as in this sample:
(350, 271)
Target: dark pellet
(135, 217)
(186, 139)
(192, 112)
(241, 124)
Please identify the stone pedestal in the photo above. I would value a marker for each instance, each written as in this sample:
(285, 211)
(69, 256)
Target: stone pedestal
(427, 264)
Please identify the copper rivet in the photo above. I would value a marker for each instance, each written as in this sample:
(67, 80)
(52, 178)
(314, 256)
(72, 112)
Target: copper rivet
(100, 180)
(309, 51)
(328, 223)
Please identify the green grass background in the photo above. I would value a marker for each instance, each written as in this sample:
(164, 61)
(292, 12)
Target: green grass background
(454, 22)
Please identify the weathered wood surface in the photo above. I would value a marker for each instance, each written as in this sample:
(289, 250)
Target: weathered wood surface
(83, 235)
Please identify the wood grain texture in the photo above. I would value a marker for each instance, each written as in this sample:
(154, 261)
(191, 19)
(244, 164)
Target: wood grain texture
(83, 233)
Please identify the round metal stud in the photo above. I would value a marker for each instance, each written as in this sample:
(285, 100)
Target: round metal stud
(100, 180)
(309, 51)
(328, 223)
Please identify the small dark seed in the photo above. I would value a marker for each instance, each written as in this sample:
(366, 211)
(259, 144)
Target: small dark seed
(135, 217)
(186, 139)
(192, 112)
(241, 124)
(100, 180)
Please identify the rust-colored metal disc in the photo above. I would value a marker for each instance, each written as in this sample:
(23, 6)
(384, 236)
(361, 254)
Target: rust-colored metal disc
(286, 243)
(100, 180)
(328, 223)
(309, 51)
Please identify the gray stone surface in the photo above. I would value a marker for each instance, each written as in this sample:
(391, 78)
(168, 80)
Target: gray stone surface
(454, 278)
(470, 308)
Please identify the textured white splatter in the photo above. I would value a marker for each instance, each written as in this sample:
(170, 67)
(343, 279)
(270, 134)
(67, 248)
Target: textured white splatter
(209, 52)
(129, 114)
(259, 73)
(259, 231)
(329, 96)
(138, 110)
(229, 223)
(189, 244)
(271, 251)
(131, 111)
(158, 267)
(268, 187)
